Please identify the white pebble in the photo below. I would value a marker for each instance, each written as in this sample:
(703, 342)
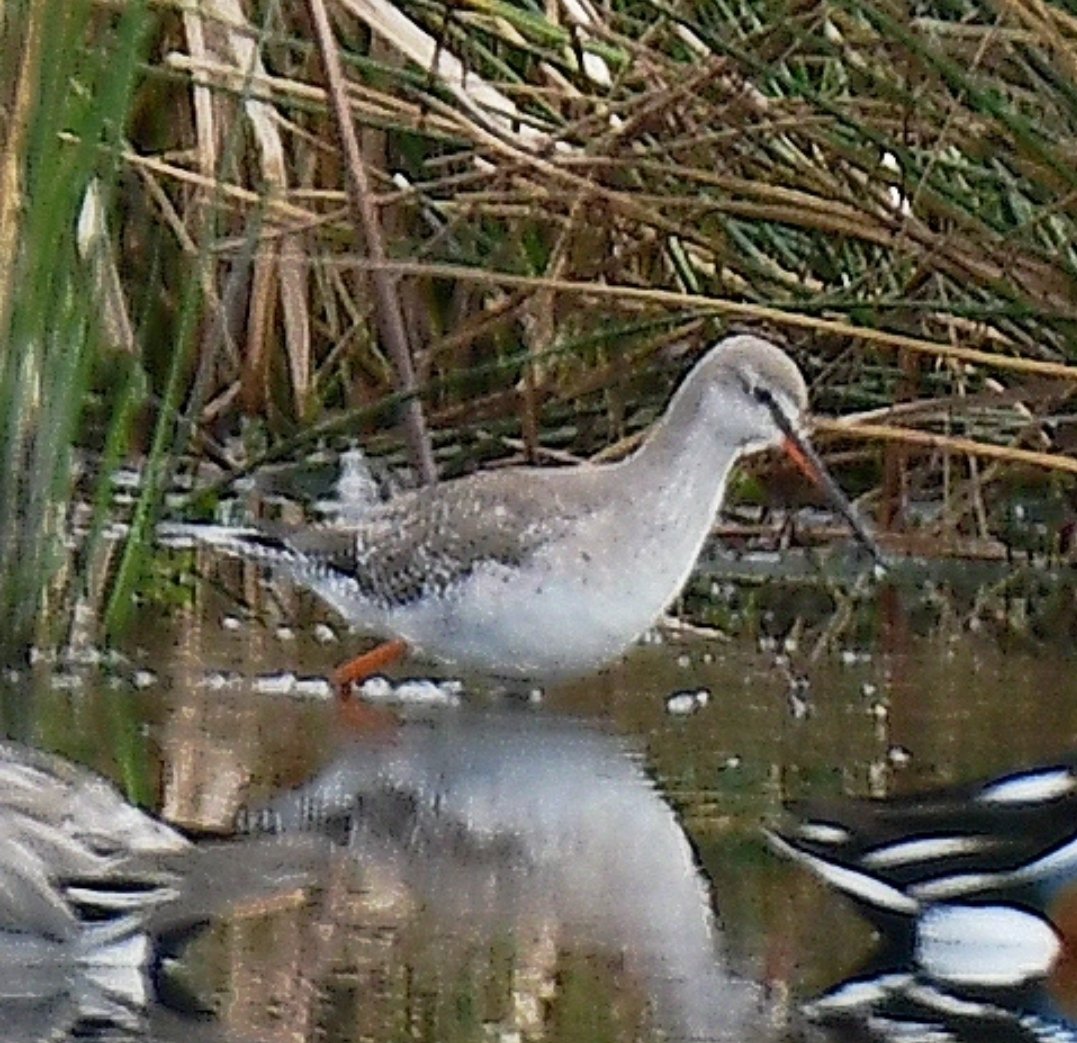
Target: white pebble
(376, 689)
(680, 704)
(275, 684)
(143, 679)
(284, 634)
(899, 756)
(536, 695)
(218, 681)
(230, 623)
(879, 710)
(684, 660)
(867, 689)
(417, 691)
(84, 656)
(324, 633)
(421, 691)
(66, 682)
(313, 688)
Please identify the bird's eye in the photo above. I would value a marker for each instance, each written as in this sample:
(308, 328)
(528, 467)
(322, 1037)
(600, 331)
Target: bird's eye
(761, 394)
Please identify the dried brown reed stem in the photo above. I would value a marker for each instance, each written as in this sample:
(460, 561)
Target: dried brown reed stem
(739, 310)
(389, 315)
(933, 440)
(12, 156)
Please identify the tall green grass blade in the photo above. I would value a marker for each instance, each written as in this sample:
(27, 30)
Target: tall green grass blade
(51, 344)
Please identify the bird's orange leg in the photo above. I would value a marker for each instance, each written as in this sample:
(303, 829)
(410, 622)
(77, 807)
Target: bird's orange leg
(369, 663)
(356, 715)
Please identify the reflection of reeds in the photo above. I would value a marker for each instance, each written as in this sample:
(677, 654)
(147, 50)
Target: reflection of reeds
(562, 197)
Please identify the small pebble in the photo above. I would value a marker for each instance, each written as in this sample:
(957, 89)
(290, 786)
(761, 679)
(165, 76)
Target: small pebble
(143, 679)
(231, 623)
(899, 756)
(324, 634)
(126, 478)
(275, 684)
(536, 695)
(313, 688)
(732, 762)
(416, 691)
(681, 704)
(284, 634)
(84, 656)
(376, 688)
(424, 692)
(799, 707)
(684, 660)
(879, 710)
(867, 689)
(217, 680)
(66, 682)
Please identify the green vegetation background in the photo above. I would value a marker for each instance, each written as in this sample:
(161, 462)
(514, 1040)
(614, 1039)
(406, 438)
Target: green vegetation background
(574, 202)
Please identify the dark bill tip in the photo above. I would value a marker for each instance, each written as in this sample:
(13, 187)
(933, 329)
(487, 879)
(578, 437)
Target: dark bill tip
(799, 450)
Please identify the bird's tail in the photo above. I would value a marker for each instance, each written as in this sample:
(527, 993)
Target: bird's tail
(241, 541)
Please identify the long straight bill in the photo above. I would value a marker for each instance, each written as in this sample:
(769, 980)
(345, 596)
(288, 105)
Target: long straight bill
(800, 451)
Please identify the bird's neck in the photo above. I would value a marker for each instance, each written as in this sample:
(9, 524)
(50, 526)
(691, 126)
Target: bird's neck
(683, 461)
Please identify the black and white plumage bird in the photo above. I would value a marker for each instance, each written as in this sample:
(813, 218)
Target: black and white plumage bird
(973, 890)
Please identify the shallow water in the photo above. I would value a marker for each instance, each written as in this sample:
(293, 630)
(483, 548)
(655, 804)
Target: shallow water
(577, 865)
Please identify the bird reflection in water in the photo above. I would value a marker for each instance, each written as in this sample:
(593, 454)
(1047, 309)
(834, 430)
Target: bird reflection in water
(519, 826)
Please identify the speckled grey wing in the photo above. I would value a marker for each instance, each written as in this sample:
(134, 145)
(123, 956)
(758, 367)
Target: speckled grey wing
(426, 541)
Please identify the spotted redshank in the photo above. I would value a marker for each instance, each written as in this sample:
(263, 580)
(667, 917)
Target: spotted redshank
(548, 573)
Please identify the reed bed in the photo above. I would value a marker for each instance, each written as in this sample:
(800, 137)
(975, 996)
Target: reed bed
(417, 222)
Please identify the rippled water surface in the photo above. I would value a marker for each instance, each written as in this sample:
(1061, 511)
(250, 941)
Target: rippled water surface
(582, 864)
